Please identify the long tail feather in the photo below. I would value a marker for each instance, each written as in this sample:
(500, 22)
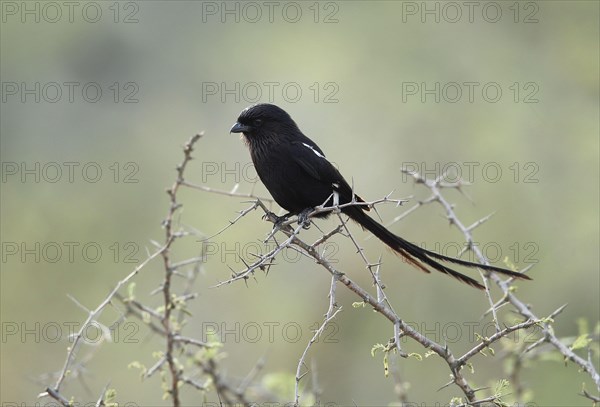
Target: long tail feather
(420, 257)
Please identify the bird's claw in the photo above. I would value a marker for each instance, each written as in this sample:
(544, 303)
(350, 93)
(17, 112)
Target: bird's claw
(303, 218)
(277, 220)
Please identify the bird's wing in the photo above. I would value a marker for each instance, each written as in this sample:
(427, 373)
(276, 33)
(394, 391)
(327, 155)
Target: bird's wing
(312, 160)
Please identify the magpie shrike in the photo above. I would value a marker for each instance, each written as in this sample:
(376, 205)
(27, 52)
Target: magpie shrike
(299, 177)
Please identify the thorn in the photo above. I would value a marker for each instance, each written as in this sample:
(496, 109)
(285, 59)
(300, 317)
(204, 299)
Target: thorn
(446, 385)
(301, 376)
(480, 222)
(558, 311)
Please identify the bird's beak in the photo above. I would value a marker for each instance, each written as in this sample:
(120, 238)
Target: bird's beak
(239, 128)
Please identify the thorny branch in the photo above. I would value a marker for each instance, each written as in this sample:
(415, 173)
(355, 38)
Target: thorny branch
(169, 304)
(381, 304)
(93, 315)
(505, 285)
(167, 322)
(332, 311)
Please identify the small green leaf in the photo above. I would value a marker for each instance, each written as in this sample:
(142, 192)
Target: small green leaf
(386, 366)
(416, 356)
(131, 291)
(146, 317)
(137, 365)
(377, 347)
(109, 397)
(582, 341)
(501, 386)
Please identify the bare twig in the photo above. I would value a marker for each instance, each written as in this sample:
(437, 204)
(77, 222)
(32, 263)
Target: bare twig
(169, 306)
(54, 391)
(332, 311)
(548, 334)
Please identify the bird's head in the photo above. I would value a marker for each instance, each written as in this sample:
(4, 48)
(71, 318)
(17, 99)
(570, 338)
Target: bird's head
(263, 119)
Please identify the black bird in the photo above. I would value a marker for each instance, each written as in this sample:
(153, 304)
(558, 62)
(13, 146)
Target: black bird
(299, 177)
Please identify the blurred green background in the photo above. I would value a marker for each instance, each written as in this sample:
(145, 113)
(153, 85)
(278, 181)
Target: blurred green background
(367, 73)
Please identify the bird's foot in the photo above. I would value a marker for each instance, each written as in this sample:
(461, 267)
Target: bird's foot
(303, 218)
(277, 220)
(280, 220)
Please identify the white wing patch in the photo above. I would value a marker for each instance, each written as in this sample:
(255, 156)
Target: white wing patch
(314, 150)
(336, 195)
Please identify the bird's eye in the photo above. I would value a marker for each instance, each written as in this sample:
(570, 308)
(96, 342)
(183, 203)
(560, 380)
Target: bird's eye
(257, 122)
